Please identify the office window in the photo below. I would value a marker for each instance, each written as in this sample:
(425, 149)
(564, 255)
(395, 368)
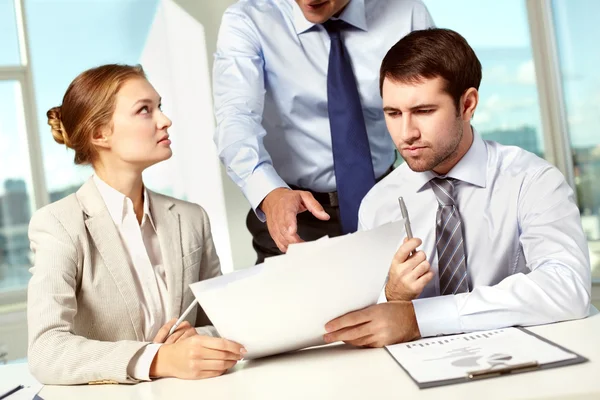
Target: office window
(9, 43)
(15, 190)
(66, 38)
(508, 110)
(577, 31)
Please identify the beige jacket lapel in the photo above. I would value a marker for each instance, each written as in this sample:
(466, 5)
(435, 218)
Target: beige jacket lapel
(168, 229)
(108, 242)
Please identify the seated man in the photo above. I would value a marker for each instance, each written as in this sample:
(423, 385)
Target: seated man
(502, 242)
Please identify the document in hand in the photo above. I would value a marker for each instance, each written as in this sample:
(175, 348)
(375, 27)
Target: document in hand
(284, 304)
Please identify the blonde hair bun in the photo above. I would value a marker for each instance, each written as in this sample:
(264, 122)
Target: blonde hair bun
(58, 129)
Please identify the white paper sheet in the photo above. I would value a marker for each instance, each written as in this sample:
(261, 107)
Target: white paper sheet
(12, 375)
(451, 357)
(284, 304)
(308, 247)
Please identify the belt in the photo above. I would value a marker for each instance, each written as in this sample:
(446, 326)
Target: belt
(331, 199)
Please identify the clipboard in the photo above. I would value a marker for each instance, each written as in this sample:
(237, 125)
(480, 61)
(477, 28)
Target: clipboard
(473, 374)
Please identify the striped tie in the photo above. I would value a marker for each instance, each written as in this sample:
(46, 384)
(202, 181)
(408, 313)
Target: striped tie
(452, 261)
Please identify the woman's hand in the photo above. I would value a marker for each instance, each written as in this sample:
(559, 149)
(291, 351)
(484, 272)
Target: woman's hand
(196, 357)
(184, 330)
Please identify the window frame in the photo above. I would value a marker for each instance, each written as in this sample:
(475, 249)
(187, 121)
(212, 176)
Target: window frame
(551, 95)
(549, 87)
(23, 75)
(550, 90)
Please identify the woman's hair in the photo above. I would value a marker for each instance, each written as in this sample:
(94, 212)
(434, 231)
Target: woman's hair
(88, 106)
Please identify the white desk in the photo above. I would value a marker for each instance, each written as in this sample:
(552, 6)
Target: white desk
(342, 372)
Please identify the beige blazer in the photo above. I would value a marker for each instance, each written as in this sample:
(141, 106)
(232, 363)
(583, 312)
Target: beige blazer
(84, 319)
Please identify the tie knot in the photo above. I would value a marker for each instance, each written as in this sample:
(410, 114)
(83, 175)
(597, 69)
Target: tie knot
(334, 27)
(444, 190)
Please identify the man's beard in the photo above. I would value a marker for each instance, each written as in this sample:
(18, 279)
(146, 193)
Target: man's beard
(440, 155)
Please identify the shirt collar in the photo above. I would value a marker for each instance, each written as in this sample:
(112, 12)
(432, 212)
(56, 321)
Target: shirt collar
(147, 213)
(354, 14)
(472, 168)
(116, 202)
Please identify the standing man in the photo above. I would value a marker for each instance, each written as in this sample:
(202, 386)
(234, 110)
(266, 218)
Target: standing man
(300, 125)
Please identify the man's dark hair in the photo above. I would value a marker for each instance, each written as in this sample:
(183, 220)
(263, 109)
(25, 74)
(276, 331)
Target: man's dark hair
(430, 53)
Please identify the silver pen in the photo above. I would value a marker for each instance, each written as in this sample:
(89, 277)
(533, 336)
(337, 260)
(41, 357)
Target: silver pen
(404, 212)
(180, 320)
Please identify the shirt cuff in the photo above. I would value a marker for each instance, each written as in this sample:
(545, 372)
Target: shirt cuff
(139, 366)
(437, 316)
(263, 181)
(382, 297)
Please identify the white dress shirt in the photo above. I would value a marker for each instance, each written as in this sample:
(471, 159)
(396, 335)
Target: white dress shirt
(527, 255)
(270, 89)
(142, 247)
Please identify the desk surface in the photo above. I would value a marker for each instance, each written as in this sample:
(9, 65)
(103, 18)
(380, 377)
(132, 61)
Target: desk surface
(342, 372)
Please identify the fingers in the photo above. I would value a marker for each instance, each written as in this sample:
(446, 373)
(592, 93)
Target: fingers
(379, 331)
(364, 341)
(419, 277)
(406, 268)
(405, 249)
(421, 269)
(372, 341)
(215, 365)
(189, 333)
(275, 232)
(348, 320)
(220, 344)
(281, 243)
(282, 222)
(210, 354)
(289, 229)
(408, 279)
(179, 333)
(175, 336)
(314, 206)
(284, 233)
(211, 362)
(351, 334)
(163, 332)
(282, 216)
(208, 374)
(423, 281)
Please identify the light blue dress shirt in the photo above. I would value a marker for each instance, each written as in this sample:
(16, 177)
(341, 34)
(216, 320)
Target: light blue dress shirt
(270, 89)
(527, 256)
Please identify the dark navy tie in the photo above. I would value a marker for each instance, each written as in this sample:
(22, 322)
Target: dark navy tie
(351, 153)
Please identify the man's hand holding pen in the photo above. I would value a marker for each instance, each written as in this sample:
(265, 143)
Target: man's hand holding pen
(409, 273)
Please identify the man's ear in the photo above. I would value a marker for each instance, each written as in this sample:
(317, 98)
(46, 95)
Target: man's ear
(469, 102)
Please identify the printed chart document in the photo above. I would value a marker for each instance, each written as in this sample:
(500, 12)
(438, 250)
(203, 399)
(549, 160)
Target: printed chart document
(284, 303)
(460, 358)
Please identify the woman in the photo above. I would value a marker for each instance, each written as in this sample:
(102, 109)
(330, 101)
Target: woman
(113, 261)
